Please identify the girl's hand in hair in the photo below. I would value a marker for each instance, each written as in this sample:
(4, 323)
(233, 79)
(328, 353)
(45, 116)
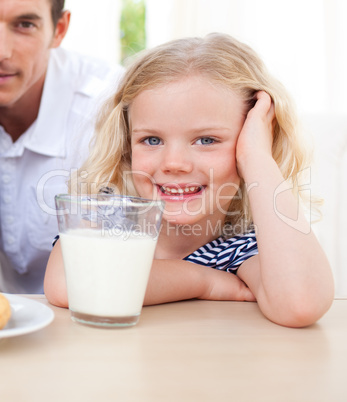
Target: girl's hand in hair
(255, 138)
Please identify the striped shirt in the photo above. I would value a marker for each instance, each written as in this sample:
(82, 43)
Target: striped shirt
(226, 254)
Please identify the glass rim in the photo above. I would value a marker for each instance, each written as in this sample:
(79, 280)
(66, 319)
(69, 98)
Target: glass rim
(125, 199)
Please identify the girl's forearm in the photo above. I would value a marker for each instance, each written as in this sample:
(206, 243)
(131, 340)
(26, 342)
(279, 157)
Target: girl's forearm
(174, 280)
(294, 270)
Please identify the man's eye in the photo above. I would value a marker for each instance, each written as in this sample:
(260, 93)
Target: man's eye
(152, 141)
(205, 141)
(26, 25)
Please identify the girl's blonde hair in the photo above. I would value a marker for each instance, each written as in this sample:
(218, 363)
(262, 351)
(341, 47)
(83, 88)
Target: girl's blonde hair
(220, 59)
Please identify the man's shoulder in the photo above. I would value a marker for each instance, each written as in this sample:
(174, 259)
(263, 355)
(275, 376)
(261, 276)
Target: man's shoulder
(89, 73)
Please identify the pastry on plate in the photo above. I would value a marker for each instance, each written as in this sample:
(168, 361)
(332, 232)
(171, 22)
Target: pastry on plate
(5, 311)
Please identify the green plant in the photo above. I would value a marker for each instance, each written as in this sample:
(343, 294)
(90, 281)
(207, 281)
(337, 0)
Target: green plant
(132, 28)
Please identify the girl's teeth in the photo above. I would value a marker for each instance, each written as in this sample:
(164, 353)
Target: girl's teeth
(187, 190)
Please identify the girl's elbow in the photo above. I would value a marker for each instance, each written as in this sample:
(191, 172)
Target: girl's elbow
(56, 297)
(304, 312)
(305, 317)
(57, 300)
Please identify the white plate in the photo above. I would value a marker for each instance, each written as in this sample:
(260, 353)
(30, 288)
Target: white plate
(27, 316)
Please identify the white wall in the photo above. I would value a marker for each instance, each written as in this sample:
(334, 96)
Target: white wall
(303, 42)
(94, 28)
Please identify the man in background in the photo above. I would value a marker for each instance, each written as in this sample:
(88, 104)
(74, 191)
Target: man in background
(48, 100)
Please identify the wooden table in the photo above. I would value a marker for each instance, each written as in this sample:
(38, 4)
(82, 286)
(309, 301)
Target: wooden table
(188, 351)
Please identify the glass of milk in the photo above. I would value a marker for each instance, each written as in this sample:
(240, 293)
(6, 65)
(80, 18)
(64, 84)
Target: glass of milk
(108, 244)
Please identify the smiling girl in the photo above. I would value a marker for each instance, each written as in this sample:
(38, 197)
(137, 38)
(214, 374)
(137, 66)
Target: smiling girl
(200, 124)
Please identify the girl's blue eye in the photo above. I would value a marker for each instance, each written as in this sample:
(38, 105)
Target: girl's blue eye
(152, 141)
(205, 141)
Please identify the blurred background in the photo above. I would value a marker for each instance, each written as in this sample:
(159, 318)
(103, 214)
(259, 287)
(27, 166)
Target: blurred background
(302, 42)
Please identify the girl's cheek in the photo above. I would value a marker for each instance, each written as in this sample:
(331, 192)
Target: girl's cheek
(148, 165)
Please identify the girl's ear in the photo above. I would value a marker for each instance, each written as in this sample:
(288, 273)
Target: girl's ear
(61, 29)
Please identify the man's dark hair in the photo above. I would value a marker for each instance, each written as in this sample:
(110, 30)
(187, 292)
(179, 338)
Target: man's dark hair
(57, 10)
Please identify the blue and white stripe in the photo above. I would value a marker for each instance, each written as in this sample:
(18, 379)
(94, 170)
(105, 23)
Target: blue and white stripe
(226, 254)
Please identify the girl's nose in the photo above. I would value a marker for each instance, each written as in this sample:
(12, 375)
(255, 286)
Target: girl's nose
(176, 160)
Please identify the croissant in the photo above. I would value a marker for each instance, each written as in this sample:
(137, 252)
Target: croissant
(5, 311)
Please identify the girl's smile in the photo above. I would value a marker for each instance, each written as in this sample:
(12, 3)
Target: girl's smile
(183, 138)
(179, 192)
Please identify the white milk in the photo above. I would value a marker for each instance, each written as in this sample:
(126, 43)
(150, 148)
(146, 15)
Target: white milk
(106, 275)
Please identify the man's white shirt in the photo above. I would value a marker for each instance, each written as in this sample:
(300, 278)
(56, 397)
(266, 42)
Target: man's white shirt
(37, 166)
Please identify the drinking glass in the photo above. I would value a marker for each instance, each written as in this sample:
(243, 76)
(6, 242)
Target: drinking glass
(108, 243)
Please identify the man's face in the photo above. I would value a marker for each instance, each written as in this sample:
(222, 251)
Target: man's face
(26, 37)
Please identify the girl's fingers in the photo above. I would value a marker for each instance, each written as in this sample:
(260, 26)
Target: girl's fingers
(264, 105)
(271, 113)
